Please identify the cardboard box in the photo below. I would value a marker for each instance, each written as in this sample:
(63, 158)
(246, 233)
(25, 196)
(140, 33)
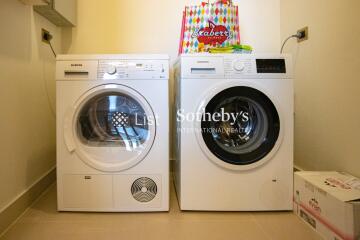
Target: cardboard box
(329, 202)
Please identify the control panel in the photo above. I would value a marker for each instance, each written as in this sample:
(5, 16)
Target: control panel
(234, 66)
(270, 65)
(256, 66)
(132, 69)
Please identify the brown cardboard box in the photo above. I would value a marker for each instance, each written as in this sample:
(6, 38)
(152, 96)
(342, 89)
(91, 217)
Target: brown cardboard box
(329, 202)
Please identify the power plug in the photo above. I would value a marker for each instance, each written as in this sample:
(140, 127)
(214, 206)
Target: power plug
(302, 34)
(46, 36)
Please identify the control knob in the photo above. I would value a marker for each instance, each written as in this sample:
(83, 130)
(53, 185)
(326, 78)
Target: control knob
(111, 70)
(239, 65)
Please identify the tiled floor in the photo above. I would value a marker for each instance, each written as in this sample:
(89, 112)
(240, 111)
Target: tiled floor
(43, 222)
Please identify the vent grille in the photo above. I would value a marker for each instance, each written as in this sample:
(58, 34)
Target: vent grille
(144, 189)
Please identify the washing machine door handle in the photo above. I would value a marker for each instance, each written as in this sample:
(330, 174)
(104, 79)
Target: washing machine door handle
(68, 133)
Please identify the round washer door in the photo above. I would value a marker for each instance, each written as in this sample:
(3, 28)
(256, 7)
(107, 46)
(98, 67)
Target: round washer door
(113, 127)
(240, 128)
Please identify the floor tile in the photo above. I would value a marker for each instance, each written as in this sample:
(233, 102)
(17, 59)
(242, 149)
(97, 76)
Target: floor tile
(284, 225)
(43, 222)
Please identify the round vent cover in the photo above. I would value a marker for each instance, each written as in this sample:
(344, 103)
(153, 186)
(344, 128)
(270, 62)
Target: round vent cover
(144, 189)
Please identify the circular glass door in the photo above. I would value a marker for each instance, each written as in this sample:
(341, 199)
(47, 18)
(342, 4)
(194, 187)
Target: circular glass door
(240, 126)
(114, 128)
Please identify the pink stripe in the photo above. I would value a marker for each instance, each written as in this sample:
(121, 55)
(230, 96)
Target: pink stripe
(326, 223)
(237, 24)
(182, 33)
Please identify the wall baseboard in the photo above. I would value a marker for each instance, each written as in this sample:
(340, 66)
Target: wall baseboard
(17, 207)
(297, 168)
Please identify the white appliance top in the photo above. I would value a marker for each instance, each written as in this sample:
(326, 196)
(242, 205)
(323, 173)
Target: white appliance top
(65, 57)
(112, 67)
(232, 66)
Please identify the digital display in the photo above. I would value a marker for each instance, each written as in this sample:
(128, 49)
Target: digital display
(270, 66)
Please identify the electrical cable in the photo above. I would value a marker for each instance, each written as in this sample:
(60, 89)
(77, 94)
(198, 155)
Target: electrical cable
(52, 49)
(53, 112)
(298, 35)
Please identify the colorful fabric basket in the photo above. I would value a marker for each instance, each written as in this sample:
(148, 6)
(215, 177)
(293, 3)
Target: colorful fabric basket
(209, 25)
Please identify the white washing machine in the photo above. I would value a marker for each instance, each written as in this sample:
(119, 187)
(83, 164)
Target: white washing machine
(238, 155)
(112, 133)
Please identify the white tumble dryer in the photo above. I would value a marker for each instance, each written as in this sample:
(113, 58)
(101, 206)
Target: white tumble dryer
(234, 149)
(112, 133)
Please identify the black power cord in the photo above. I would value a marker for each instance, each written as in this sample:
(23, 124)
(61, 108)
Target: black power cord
(52, 49)
(47, 37)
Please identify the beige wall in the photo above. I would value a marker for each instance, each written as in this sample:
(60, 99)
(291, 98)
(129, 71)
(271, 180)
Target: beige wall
(117, 26)
(327, 86)
(27, 94)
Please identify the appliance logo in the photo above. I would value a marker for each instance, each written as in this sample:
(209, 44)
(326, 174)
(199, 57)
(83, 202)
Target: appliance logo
(213, 34)
(314, 204)
(232, 118)
(76, 65)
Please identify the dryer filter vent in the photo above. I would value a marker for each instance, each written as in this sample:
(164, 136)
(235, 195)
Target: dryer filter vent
(144, 189)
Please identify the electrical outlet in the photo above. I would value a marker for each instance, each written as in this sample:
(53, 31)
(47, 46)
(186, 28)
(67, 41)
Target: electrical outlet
(45, 36)
(304, 33)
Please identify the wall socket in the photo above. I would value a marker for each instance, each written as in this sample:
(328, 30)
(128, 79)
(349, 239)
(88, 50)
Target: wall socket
(304, 32)
(45, 36)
